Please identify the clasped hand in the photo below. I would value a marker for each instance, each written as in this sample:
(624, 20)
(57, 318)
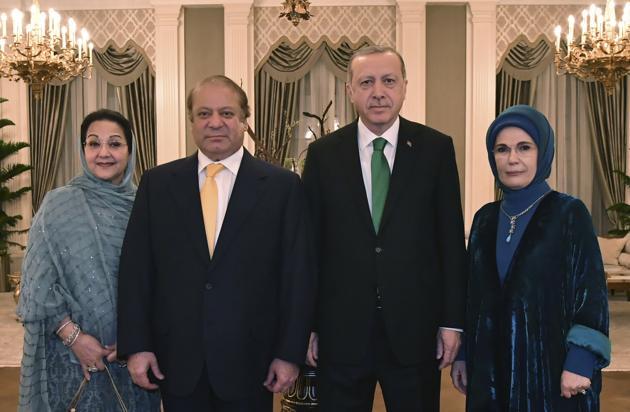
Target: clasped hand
(90, 353)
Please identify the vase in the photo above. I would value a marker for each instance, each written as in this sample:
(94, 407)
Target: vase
(14, 281)
(302, 396)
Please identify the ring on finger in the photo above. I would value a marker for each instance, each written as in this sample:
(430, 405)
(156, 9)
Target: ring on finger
(92, 369)
(583, 391)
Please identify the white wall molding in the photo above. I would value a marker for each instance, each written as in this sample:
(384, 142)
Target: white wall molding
(170, 138)
(239, 51)
(480, 105)
(411, 41)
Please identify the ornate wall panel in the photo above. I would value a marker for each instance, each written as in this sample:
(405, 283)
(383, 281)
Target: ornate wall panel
(119, 26)
(531, 21)
(378, 23)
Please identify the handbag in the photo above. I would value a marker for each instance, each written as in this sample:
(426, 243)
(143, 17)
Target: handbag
(74, 403)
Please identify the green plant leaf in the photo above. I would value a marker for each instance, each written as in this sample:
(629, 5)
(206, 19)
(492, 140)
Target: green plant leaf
(6, 122)
(12, 170)
(624, 176)
(623, 208)
(9, 148)
(618, 232)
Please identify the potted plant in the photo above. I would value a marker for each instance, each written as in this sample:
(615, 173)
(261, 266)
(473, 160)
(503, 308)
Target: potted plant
(8, 223)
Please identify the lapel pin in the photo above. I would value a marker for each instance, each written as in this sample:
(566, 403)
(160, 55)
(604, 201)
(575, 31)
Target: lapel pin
(409, 143)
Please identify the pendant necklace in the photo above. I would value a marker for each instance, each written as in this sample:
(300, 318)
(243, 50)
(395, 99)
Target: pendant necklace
(514, 217)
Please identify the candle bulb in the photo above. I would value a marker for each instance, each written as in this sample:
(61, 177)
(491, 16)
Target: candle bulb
(570, 34)
(34, 13)
(80, 44)
(91, 46)
(557, 31)
(72, 27)
(3, 18)
(592, 23)
(29, 28)
(63, 37)
(51, 21)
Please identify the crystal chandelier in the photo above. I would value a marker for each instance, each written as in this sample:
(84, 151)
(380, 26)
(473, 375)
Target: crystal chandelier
(295, 10)
(602, 50)
(43, 50)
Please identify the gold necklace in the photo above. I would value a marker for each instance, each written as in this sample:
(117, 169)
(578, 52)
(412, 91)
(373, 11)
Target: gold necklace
(513, 218)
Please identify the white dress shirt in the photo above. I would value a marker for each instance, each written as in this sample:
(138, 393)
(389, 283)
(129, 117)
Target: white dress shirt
(366, 148)
(225, 181)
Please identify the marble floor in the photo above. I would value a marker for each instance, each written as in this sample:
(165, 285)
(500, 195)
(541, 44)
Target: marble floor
(616, 378)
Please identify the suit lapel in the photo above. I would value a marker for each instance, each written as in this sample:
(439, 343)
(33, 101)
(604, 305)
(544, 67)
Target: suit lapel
(403, 167)
(246, 192)
(185, 189)
(351, 168)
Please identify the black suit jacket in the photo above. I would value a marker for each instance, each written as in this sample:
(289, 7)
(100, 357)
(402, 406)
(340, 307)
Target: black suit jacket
(248, 305)
(417, 260)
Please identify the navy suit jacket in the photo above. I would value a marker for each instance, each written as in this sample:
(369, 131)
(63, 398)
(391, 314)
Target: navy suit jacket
(417, 259)
(252, 302)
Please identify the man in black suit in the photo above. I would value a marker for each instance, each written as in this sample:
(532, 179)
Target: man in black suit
(384, 198)
(220, 327)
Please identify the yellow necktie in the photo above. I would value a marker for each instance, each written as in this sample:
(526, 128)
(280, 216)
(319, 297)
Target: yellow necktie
(209, 203)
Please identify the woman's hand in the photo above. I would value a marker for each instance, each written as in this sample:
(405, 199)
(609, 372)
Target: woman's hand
(90, 353)
(113, 355)
(572, 384)
(458, 375)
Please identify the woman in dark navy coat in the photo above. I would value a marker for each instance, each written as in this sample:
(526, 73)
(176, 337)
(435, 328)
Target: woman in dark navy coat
(537, 312)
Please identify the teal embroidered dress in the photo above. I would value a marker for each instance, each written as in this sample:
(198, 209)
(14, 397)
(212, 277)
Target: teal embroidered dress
(71, 269)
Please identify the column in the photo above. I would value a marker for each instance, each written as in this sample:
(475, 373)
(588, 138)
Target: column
(169, 107)
(239, 51)
(411, 44)
(480, 105)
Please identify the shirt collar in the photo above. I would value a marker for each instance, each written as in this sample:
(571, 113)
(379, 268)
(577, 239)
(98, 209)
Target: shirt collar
(231, 163)
(366, 136)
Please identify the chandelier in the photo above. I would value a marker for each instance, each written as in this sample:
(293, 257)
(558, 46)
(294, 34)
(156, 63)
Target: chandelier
(602, 50)
(295, 10)
(43, 50)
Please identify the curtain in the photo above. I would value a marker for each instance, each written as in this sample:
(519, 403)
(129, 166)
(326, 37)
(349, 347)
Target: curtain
(138, 104)
(128, 70)
(47, 117)
(276, 112)
(527, 75)
(607, 115)
(295, 79)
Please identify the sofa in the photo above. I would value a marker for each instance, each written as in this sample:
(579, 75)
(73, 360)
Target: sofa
(616, 257)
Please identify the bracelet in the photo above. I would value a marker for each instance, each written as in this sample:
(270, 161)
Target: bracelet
(63, 326)
(72, 337)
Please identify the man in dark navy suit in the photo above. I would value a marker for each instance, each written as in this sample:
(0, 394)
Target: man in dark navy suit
(384, 197)
(215, 286)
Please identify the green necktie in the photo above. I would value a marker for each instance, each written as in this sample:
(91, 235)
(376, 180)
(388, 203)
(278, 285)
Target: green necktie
(380, 181)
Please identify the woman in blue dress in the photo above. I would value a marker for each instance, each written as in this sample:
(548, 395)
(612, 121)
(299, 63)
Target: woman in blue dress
(70, 276)
(537, 312)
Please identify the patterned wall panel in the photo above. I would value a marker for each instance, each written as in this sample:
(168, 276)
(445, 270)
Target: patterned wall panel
(532, 22)
(119, 26)
(378, 23)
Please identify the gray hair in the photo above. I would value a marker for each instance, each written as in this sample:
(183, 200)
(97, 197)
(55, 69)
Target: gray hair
(225, 81)
(366, 51)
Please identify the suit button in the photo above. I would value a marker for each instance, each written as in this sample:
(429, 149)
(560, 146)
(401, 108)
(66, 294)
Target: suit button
(208, 286)
(378, 249)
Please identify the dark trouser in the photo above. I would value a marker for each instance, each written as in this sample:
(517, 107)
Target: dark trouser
(203, 399)
(350, 388)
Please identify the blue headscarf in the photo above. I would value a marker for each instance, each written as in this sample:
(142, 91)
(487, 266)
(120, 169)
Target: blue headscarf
(536, 125)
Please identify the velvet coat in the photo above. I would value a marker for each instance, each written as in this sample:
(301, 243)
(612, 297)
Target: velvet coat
(518, 331)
